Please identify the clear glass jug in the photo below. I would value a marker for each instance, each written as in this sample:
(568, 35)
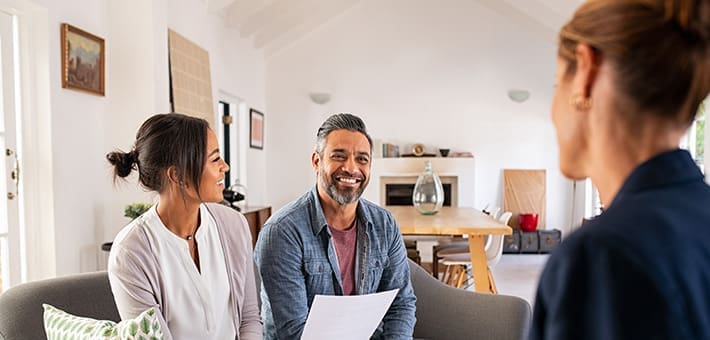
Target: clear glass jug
(428, 195)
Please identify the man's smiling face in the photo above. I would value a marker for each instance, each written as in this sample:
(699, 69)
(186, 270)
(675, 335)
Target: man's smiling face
(343, 167)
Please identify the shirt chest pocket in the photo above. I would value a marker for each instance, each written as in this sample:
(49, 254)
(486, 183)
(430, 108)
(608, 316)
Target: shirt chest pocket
(318, 274)
(375, 268)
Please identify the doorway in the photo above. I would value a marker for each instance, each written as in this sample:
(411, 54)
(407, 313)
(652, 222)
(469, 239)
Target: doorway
(10, 231)
(232, 115)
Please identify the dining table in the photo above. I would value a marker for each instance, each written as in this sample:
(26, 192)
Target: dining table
(455, 221)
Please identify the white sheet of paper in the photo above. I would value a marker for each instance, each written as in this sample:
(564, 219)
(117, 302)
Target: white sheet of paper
(352, 317)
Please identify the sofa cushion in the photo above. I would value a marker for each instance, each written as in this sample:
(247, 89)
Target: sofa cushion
(59, 324)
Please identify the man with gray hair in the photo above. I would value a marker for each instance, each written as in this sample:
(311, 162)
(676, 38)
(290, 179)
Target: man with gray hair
(332, 242)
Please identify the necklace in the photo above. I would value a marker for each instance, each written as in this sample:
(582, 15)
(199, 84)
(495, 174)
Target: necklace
(191, 236)
(188, 237)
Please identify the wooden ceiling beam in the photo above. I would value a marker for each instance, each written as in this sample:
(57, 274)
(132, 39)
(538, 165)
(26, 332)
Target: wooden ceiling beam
(218, 5)
(520, 17)
(240, 10)
(274, 42)
(267, 15)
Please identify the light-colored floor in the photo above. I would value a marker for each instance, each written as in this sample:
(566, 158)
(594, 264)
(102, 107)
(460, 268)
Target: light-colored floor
(518, 275)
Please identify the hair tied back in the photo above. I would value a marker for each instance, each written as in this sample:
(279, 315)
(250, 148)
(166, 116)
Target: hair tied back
(123, 162)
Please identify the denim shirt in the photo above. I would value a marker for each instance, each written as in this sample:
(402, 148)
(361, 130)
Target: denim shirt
(297, 260)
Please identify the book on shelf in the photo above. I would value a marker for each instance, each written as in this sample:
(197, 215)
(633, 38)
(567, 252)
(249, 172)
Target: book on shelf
(390, 150)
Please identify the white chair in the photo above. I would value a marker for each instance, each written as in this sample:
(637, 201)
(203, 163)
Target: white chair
(458, 259)
(495, 213)
(454, 245)
(494, 244)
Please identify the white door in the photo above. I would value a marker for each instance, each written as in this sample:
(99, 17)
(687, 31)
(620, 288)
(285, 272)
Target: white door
(10, 239)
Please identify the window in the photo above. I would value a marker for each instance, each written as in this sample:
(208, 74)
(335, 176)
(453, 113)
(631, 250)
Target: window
(694, 138)
(233, 121)
(225, 112)
(592, 202)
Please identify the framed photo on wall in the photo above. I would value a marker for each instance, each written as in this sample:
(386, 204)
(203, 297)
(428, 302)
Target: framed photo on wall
(256, 129)
(82, 60)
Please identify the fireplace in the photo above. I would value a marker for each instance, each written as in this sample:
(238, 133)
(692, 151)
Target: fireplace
(396, 177)
(401, 194)
(397, 190)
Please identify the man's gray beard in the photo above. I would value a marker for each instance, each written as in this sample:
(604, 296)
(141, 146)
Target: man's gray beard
(332, 191)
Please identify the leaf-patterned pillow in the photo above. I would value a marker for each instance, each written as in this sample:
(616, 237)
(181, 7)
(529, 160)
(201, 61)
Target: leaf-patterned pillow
(60, 325)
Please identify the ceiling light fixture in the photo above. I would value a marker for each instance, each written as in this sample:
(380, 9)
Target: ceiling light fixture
(518, 96)
(319, 97)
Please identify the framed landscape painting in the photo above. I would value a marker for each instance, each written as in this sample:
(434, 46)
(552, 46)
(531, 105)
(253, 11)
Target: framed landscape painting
(82, 60)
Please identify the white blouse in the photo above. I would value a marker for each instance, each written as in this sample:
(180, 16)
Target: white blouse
(200, 300)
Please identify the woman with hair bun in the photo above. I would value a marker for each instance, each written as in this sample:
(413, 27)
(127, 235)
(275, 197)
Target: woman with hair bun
(187, 257)
(631, 75)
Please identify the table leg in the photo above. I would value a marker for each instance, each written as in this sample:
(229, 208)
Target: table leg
(478, 262)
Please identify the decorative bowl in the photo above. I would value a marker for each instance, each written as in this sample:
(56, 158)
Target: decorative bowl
(528, 222)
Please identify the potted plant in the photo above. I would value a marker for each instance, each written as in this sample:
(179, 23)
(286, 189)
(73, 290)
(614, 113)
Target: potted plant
(134, 210)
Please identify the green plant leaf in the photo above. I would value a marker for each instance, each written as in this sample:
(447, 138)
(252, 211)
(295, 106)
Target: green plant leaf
(135, 209)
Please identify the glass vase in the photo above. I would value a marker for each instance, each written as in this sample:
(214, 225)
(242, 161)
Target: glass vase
(428, 195)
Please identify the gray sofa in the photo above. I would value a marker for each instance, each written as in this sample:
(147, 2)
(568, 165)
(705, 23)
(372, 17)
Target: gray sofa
(21, 313)
(443, 312)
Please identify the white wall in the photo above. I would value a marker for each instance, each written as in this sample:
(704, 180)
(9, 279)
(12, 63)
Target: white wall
(237, 69)
(77, 123)
(420, 71)
(88, 210)
(137, 87)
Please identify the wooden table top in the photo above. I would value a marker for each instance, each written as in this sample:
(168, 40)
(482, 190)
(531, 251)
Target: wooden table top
(448, 221)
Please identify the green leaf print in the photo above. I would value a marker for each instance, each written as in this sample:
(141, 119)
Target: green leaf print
(145, 326)
(133, 329)
(108, 332)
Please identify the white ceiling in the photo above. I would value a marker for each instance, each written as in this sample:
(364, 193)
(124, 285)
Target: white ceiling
(273, 25)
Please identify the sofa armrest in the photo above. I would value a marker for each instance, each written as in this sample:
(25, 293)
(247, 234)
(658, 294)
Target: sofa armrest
(88, 295)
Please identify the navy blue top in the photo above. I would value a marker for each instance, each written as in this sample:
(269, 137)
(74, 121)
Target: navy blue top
(640, 270)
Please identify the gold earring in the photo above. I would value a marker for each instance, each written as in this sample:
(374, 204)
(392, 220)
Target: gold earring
(580, 103)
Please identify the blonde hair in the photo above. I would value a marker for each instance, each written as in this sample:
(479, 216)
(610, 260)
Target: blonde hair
(659, 49)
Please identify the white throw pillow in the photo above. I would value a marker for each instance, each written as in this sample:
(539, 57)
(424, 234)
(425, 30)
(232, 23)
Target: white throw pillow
(60, 325)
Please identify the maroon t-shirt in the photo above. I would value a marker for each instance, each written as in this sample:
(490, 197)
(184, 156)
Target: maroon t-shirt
(345, 242)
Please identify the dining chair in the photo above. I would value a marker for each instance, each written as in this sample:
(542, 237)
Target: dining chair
(456, 244)
(458, 259)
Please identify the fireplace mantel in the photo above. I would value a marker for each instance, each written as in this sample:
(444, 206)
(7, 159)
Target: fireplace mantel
(461, 168)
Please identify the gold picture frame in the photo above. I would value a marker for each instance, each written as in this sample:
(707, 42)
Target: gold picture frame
(83, 59)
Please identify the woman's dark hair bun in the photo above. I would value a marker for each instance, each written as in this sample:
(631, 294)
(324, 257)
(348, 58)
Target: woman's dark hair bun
(123, 162)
